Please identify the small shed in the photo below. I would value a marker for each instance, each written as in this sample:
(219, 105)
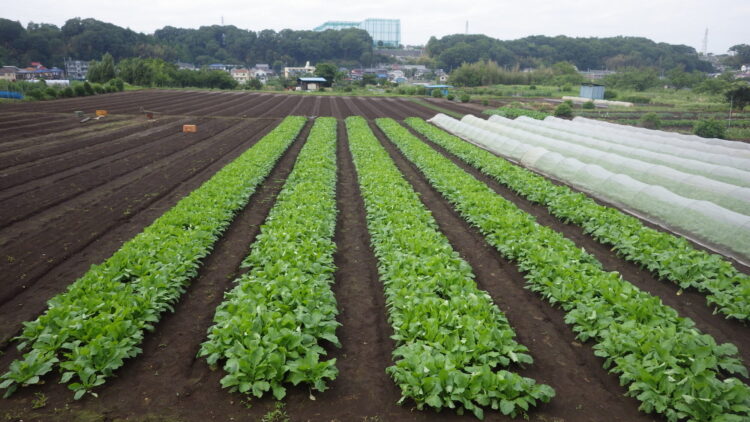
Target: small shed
(310, 83)
(443, 89)
(592, 91)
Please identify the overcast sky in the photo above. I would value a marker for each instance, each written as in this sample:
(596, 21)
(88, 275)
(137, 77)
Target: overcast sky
(670, 21)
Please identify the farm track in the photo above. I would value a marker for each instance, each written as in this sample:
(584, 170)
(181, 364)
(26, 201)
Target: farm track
(57, 238)
(584, 390)
(55, 244)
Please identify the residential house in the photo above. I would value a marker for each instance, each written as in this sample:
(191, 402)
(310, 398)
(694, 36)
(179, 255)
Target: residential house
(76, 69)
(240, 75)
(9, 73)
(290, 72)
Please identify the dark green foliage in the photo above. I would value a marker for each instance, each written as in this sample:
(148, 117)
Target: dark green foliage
(639, 79)
(90, 39)
(51, 93)
(513, 112)
(98, 88)
(254, 84)
(436, 93)
(328, 71)
(67, 92)
(738, 95)
(88, 88)
(465, 98)
(117, 83)
(79, 90)
(610, 94)
(636, 99)
(650, 121)
(709, 128)
(585, 53)
(588, 105)
(564, 110)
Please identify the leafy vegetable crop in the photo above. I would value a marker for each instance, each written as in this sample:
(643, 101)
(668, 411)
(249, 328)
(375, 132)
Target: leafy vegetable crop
(267, 330)
(451, 337)
(668, 256)
(665, 361)
(89, 330)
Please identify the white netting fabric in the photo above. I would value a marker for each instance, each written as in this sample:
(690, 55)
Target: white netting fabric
(702, 221)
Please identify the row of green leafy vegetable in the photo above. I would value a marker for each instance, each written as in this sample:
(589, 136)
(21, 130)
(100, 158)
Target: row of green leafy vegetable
(451, 338)
(665, 361)
(666, 255)
(270, 327)
(89, 330)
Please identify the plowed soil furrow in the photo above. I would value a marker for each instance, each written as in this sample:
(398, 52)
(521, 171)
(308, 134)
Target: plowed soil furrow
(335, 108)
(407, 108)
(23, 122)
(326, 106)
(40, 196)
(45, 126)
(690, 303)
(168, 362)
(352, 108)
(268, 103)
(298, 109)
(282, 108)
(585, 391)
(137, 106)
(36, 161)
(21, 142)
(51, 245)
(368, 107)
(196, 106)
(316, 106)
(223, 107)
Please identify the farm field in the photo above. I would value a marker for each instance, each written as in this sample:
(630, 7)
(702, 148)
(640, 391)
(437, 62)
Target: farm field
(72, 194)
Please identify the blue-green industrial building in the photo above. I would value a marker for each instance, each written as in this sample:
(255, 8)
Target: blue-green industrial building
(384, 32)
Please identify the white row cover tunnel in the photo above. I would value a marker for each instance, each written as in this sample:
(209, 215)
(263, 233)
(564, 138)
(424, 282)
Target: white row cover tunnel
(631, 162)
(697, 142)
(645, 189)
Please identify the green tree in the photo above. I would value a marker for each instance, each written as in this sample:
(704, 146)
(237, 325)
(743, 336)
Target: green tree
(564, 110)
(107, 68)
(738, 94)
(329, 71)
(709, 128)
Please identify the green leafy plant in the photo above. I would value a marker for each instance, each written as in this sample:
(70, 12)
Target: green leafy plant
(710, 128)
(88, 331)
(650, 121)
(269, 329)
(513, 112)
(564, 110)
(451, 338)
(665, 361)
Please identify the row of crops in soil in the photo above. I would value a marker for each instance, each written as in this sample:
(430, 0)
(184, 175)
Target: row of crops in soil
(589, 309)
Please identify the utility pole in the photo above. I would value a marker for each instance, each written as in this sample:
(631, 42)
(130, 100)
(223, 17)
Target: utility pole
(705, 44)
(466, 31)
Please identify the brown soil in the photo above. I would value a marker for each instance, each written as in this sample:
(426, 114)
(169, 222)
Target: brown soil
(71, 195)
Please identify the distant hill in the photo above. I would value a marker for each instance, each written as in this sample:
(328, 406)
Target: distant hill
(89, 39)
(585, 53)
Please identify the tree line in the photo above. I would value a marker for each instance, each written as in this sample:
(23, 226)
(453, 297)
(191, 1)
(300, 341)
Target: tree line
(451, 51)
(90, 39)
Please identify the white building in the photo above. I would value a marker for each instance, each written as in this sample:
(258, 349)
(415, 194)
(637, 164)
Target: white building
(290, 72)
(240, 75)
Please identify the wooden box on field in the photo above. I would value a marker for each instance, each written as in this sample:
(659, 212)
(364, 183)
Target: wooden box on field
(189, 128)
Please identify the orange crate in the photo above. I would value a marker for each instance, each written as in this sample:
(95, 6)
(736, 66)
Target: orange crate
(189, 128)
(101, 112)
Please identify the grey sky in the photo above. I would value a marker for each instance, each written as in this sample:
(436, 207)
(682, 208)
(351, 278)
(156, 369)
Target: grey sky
(671, 21)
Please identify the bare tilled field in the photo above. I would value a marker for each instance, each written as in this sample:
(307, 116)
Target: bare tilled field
(72, 194)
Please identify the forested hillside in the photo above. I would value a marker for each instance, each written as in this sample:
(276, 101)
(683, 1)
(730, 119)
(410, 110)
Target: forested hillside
(586, 53)
(89, 39)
